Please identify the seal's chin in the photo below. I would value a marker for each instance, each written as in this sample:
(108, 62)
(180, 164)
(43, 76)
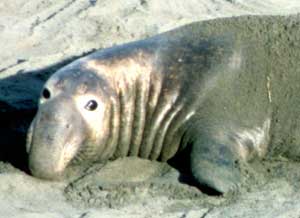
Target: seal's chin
(51, 167)
(47, 169)
(46, 174)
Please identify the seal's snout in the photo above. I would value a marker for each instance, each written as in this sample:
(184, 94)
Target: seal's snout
(53, 139)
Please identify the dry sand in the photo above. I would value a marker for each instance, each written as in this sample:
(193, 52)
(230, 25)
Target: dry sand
(39, 36)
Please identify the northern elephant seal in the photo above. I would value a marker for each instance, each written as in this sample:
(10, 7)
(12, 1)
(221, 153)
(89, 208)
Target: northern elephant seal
(228, 88)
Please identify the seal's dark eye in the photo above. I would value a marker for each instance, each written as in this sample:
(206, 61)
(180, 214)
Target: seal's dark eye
(46, 93)
(91, 105)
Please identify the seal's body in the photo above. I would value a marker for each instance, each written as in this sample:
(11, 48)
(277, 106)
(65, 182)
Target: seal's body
(223, 87)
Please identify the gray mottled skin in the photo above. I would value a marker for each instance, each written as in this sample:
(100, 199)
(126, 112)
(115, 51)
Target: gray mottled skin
(228, 88)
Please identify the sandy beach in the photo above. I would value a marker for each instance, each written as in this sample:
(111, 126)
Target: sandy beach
(40, 36)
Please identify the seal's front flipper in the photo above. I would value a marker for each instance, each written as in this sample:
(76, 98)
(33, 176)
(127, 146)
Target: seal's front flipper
(215, 164)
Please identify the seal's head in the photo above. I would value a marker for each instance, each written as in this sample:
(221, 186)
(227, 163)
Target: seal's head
(73, 111)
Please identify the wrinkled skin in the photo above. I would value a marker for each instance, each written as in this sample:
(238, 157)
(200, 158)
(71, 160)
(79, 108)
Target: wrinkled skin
(228, 92)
